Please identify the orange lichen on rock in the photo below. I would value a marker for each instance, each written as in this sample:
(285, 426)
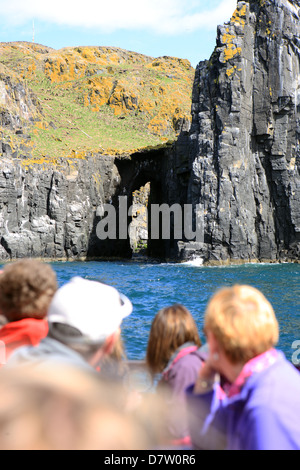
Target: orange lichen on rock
(41, 125)
(229, 38)
(231, 49)
(239, 16)
(98, 97)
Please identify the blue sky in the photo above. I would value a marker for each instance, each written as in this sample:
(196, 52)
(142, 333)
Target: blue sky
(179, 28)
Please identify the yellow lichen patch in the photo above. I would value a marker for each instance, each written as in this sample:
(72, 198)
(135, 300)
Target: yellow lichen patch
(77, 154)
(158, 125)
(31, 69)
(41, 125)
(44, 162)
(239, 16)
(114, 58)
(173, 67)
(230, 71)
(16, 144)
(59, 70)
(147, 106)
(228, 38)
(88, 53)
(97, 179)
(231, 51)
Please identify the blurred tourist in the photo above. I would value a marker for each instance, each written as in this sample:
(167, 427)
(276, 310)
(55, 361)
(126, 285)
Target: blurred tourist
(259, 409)
(84, 320)
(26, 290)
(65, 408)
(173, 352)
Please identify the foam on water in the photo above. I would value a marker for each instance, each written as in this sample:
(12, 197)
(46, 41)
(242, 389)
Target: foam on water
(194, 262)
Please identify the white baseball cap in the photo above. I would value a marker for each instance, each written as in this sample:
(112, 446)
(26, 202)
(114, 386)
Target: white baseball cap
(93, 308)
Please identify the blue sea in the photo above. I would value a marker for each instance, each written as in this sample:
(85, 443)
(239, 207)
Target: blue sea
(153, 286)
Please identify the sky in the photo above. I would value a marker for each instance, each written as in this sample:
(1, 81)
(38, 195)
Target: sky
(180, 28)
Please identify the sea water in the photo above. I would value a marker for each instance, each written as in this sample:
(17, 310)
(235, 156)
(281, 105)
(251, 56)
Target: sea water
(153, 286)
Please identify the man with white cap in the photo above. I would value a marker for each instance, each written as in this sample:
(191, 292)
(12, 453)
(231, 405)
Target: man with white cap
(84, 324)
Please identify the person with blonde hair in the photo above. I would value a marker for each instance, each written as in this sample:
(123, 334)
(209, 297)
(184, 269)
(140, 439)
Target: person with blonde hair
(173, 352)
(259, 408)
(61, 407)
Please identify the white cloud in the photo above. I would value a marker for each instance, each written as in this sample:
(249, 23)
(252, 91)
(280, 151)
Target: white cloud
(160, 16)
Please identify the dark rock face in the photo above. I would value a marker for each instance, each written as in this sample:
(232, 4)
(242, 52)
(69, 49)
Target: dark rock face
(243, 149)
(18, 107)
(51, 213)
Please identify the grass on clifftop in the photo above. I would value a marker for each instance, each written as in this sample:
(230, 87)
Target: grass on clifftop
(70, 126)
(95, 99)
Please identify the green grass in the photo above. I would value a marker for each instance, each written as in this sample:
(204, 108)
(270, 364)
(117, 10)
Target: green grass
(67, 125)
(77, 127)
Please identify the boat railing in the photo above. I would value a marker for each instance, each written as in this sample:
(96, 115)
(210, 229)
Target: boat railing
(139, 376)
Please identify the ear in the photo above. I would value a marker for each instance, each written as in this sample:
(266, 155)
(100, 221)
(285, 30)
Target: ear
(108, 346)
(212, 343)
(105, 350)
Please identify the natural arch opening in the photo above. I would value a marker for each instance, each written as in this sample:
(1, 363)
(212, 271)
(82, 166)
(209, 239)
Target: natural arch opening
(138, 227)
(123, 229)
(144, 195)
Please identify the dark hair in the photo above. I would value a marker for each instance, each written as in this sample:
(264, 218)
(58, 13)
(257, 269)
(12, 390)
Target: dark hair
(26, 289)
(171, 328)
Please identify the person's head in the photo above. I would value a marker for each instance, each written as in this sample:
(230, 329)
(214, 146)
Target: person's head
(240, 322)
(86, 316)
(171, 328)
(65, 408)
(26, 289)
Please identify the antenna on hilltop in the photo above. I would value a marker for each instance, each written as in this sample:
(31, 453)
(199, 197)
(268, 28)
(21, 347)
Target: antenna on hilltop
(32, 30)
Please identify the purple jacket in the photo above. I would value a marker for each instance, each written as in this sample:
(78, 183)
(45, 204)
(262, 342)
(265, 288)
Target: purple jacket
(180, 373)
(265, 415)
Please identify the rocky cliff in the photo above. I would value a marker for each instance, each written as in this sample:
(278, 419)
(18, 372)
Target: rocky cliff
(66, 117)
(90, 99)
(49, 211)
(238, 160)
(243, 153)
